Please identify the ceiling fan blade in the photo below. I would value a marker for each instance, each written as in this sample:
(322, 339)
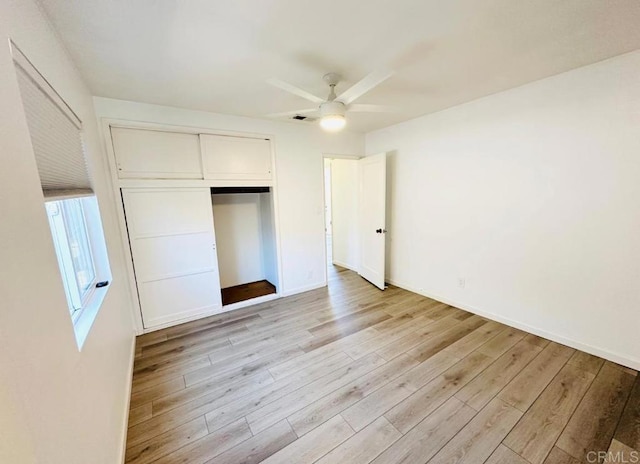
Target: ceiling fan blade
(295, 90)
(362, 87)
(292, 113)
(365, 108)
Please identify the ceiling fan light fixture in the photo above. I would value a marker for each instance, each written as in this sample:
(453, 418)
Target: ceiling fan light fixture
(333, 122)
(333, 118)
(334, 107)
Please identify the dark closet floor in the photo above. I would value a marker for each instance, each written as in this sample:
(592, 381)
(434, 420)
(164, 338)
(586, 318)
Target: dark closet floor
(244, 292)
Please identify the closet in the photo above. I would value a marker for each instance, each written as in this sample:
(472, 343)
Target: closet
(199, 215)
(246, 242)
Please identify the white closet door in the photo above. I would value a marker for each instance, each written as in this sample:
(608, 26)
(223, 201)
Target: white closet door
(235, 158)
(173, 245)
(152, 154)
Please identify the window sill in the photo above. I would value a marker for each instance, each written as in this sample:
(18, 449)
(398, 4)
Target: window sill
(84, 323)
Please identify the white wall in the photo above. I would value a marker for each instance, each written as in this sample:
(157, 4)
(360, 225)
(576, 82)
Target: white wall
(58, 405)
(237, 220)
(344, 212)
(269, 252)
(533, 197)
(299, 203)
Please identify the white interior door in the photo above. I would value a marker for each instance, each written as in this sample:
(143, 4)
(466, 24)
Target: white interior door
(372, 205)
(172, 240)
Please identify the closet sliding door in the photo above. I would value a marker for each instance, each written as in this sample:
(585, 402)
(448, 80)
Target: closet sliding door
(172, 240)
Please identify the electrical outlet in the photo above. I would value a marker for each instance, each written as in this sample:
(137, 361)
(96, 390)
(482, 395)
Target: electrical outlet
(461, 282)
(310, 275)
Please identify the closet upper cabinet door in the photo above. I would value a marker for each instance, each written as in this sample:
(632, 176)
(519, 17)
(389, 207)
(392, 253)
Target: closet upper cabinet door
(151, 154)
(235, 158)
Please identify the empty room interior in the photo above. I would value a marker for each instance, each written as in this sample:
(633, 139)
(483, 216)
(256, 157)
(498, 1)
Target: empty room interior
(299, 232)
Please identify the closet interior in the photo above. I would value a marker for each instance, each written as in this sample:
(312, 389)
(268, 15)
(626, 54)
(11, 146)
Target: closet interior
(245, 236)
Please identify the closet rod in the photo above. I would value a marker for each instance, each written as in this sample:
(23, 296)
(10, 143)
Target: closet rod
(226, 190)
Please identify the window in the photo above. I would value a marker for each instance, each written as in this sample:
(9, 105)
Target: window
(69, 201)
(72, 243)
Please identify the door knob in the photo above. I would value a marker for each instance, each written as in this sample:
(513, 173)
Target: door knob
(380, 231)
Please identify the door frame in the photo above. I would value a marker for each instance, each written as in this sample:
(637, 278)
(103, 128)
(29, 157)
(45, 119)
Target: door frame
(329, 156)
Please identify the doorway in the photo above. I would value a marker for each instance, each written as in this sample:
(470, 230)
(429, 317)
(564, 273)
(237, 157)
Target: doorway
(355, 203)
(341, 213)
(327, 212)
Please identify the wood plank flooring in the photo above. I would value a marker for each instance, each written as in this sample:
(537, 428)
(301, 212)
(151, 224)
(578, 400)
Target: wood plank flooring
(349, 374)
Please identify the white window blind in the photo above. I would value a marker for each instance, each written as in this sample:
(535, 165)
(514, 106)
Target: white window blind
(55, 134)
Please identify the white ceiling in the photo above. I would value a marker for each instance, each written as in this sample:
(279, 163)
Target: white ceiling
(216, 55)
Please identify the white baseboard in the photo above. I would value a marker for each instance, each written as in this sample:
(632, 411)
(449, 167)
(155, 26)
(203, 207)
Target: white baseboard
(240, 304)
(600, 352)
(231, 307)
(251, 302)
(215, 312)
(308, 288)
(186, 316)
(128, 387)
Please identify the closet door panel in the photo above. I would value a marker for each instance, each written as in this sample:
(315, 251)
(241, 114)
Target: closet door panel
(235, 158)
(170, 300)
(150, 154)
(170, 255)
(170, 211)
(172, 241)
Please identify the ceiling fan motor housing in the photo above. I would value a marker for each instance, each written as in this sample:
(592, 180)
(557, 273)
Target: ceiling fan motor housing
(332, 108)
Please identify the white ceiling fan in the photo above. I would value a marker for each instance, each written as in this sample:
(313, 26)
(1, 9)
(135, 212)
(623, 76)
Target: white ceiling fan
(332, 109)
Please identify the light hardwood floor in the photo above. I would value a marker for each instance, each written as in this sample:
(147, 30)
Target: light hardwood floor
(350, 374)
